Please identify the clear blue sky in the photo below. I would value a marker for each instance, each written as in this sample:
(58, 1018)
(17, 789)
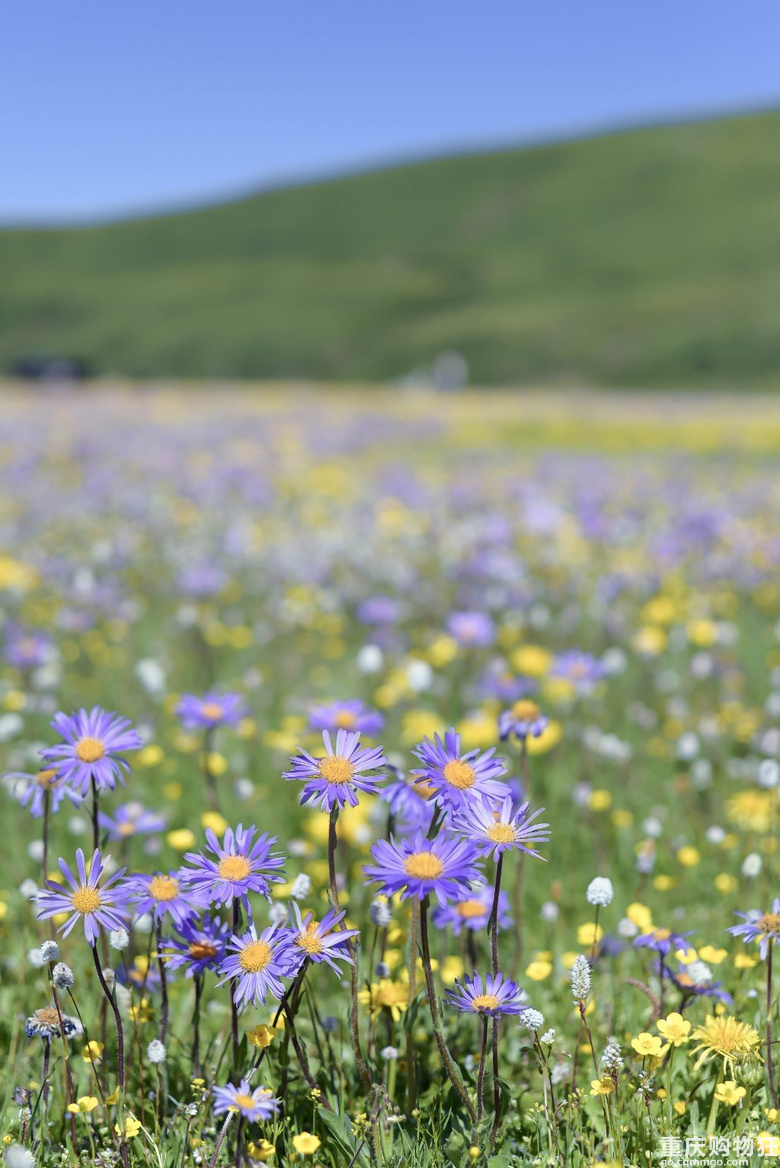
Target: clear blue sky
(113, 108)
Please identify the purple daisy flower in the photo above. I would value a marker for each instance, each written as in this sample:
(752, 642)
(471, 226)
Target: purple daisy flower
(257, 964)
(443, 867)
(352, 715)
(498, 995)
(199, 946)
(453, 778)
(695, 980)
(320, 940)
(496, 826)
(471, 629)
(582, 670)
(335, 779)
(213, 709)
(662, 941)
(31, 790)
(254, 1105)
(409, 803)
(240, 867)
(163, 896)
(91, 748)
(379, 610)
(98, 905)
(524, 719)
(27, 650)
(473, 911)
(131, 819)
(758, 926)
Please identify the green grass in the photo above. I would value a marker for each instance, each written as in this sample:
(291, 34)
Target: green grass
(650, 257)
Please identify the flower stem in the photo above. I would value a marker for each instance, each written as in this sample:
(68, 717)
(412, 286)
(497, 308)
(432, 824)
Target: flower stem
(198, 979)
(769, 1062)
(482, 1061)
(493, 927)
(163, 986)
(446, 1058)
(120, 1045)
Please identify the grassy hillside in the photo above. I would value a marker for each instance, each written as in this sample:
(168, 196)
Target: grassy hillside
(643, 258)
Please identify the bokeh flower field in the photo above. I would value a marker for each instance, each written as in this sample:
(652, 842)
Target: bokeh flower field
(389, 780)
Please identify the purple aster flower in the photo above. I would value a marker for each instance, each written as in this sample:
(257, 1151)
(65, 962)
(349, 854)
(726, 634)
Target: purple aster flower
(255, 1105)
(379, 610)
(758, 926)
(91, 748)
(409, 803)
(131, 819)
(524, 719)
(662, 941)
(26, 650)
(163, 896)
(334, 779)
(454, 778)
(240, 866)
(471, 629)
(98, 905)
(444, 867)
(31, 790)
(257, 963)
(498, 995)
(582, 670)
(498, 682)
(473, 911)
(497, 825)
(320, 940)
(199, 946)
(352, 715)
(695, 980)
(211, 710)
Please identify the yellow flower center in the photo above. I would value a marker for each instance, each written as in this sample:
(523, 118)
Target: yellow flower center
(468, 909)
(344, 720)
(770, 923)
(90, 749)
(234, 868)
(211, 710)
(459, 774)
(47, 1016)
(423, 866)
(85, 900)
(501, 833)
(485, 1002)
(199, 950)
(335, 769)
(526, 710)
(164, 888)
(126, 828)
(46, 778)
(244, 1101)
(309, 941)
(255, 957)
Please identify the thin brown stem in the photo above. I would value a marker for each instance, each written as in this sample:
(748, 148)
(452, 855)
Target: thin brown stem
(449, 1065)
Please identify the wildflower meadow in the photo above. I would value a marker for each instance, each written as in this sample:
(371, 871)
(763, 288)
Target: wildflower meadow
(388, 783)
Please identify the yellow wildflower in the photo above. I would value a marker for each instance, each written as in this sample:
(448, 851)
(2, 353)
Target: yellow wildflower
(674, 1028)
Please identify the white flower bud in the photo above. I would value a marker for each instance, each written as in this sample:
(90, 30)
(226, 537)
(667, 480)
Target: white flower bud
(600, 891)
(580, 978)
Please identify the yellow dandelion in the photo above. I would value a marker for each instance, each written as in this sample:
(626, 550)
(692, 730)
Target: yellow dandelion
(727, 1038)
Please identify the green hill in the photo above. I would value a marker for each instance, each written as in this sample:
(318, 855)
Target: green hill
(650, 257)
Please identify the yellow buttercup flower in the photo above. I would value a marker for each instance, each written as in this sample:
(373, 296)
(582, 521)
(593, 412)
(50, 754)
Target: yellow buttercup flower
(132, 1128)
(603, 1086)
(538, 970)
(83, 1105)
(711, 955)
(262, 1036)
(385, 995)
(729, 1093)
(93, 1052)
(674, 1028)
(745, 961)
(306, 1144)
(589, 934)
(648, 1045)
(261, 1150)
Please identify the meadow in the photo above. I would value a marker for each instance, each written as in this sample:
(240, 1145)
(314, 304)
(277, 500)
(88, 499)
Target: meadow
(493, 929)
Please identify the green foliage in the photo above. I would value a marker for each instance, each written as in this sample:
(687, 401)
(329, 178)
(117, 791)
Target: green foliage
(650, 257)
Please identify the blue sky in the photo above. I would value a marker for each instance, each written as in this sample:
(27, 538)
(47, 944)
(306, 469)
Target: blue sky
(111, 109)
